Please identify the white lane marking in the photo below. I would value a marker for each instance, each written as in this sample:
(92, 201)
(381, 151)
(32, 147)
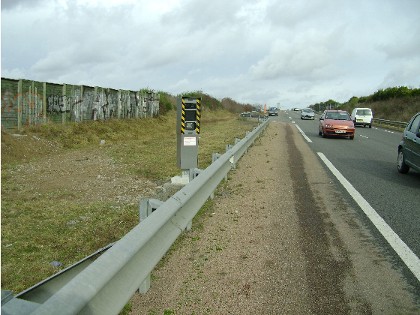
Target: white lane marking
(406, 254)
(303, 134)
(386, 130)
(364, 136)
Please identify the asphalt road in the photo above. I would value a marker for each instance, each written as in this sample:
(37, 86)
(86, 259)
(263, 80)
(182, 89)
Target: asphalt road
(369, 163)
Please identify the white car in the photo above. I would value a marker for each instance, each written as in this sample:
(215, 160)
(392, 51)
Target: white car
(307, 113)
(273, 111)
(362, 117)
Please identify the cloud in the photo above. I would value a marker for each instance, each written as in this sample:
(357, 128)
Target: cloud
(71, 56)
(13, 73)
(403, 74)
(253, 52)
(11, 4)
(300, 58)
(403, 48)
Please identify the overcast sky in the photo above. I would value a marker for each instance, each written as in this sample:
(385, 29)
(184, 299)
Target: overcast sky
(294, 53)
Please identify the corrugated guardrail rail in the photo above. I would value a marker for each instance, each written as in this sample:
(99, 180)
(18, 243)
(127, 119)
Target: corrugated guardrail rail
(105, 284)
(399, 124)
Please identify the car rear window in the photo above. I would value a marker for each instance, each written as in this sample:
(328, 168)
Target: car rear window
(364, 112)
(337, 116)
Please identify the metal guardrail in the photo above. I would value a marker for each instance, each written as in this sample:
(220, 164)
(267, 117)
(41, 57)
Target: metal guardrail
(105, 285)
(399, 124)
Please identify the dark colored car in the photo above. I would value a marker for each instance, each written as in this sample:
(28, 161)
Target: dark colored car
(409, 147)
(336, 123)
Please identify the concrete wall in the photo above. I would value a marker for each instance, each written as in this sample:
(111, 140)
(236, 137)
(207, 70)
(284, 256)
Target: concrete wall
(26, 103)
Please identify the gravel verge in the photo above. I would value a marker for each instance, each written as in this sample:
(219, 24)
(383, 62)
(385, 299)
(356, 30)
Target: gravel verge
(277, 239)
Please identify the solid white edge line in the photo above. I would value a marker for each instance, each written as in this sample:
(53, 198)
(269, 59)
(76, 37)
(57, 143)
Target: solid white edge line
(303, 134)
(406, 254)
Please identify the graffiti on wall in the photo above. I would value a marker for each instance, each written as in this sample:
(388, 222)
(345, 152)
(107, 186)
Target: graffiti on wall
(8, 99)
(30, 111)
(55, 104)
(78, 103)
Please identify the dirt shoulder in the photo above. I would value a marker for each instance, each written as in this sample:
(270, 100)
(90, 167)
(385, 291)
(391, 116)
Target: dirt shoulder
(278, 239)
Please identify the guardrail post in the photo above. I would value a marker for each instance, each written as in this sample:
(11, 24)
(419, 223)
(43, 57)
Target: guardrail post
(145, 285)
(147, 206)
(189, 226)
(214, 157)
(195, 172)
(246, 135)
(232, 162)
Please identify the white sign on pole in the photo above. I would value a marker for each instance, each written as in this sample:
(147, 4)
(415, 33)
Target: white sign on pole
(190, 141)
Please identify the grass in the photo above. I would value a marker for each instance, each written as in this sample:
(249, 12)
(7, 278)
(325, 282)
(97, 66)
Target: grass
(38, 229)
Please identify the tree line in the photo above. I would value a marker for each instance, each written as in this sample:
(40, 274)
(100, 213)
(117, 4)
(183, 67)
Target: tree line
(395, 103)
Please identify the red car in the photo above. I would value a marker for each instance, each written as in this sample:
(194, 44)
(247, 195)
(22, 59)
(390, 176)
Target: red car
(336, 123)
